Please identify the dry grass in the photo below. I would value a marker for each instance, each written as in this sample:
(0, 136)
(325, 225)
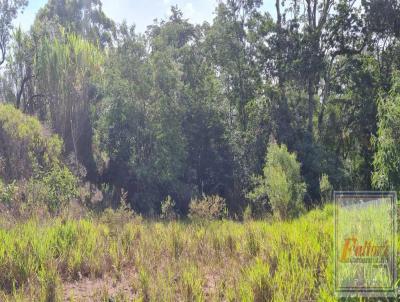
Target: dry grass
(128, 259)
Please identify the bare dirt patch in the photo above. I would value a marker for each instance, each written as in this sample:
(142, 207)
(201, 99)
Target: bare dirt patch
(107, 288)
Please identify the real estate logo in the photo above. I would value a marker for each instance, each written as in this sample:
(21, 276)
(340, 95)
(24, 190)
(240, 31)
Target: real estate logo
(365, 244)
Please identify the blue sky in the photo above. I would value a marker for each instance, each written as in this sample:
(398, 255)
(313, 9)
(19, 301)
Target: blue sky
(141, 12)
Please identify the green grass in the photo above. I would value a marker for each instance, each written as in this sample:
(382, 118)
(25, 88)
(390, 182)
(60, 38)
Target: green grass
(186, 261)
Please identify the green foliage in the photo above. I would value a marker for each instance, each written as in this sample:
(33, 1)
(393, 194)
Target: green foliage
(66, 69)
(208, 207)
(8, 12)
(247, 214)
(161, 130)
(186, 110)
(387, 157)
(7, 192)
(86, 19)
(215, 260)
(257, 286)
(27, 147)
(192, 284)
(168, 210)
(281, 184)
(350, 122)
(325, 188)
(33, 161)
(61, 186)
(142, 140)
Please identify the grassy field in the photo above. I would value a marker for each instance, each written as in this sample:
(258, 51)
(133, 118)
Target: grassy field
(115, 257)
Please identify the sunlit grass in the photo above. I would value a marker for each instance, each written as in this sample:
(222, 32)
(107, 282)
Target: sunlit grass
(186, 261)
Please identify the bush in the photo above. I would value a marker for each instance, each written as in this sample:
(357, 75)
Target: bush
(26, 146)
(247, 213)
(208, 207)
(168, 209)
(7, 192)
(281, 184)
(325, 188)
(31, 157)
(56, 189)
(259, 198)
(62, 187)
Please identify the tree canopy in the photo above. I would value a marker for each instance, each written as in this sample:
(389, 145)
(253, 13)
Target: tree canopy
(187, 110)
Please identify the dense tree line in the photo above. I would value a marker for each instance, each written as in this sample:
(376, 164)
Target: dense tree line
(186, 110)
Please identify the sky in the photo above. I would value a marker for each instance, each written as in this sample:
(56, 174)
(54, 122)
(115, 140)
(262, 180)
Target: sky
(141, 12)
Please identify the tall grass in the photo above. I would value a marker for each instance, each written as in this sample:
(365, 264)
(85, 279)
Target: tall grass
(198, 261)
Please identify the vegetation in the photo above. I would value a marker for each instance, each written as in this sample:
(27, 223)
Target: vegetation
(208, 207)
(168, 210)
(26, 148)
(188, 110)
(32, 164)
(216, 260)
(386, 159)
(180, 163)
(281, 183)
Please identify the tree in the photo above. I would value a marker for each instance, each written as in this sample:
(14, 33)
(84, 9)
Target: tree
(350, 121)
(383, 16)
(84, 18)
(186, 110)
(231, 47)
(281, 184)
(65, 71)
(140, 124)
(8, 12)
(162, 125)
(18, 78)
(231, 51)
(387, 157)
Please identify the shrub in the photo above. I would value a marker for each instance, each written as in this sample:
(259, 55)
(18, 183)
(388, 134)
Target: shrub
(325, 188)
(31, 157)
(281, 184)
(7, 192)
(56, 189)
(26, 146)
(168, 209)
(119, 217)
(258, 197)
(208, 207)
(62, 187)
(248, 213)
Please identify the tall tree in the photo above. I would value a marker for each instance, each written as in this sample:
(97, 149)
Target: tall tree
(85, 18)
(8, 12)
(65, 72)
(387, 157)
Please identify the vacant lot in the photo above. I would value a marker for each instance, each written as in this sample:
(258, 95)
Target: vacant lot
(127, 258)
